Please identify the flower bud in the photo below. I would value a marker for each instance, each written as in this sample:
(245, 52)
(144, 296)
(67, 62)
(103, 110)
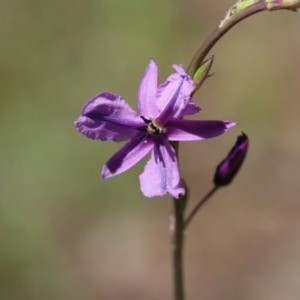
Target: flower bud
(228, 168)
(202, 73)
(203, 69)
(283, 4)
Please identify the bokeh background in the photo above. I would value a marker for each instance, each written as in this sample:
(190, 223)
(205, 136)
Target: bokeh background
(65, 234)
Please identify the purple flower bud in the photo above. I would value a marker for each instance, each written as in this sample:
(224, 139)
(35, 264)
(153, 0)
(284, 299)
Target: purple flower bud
(229, 167)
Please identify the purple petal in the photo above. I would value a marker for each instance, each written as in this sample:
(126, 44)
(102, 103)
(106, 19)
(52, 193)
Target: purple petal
(108, 117)
(187, 88)
(180, 73)
(127, 157)
(183, 105)
(147, 92)
(176, 99)
(190, 109)
(161, 174)
(170, 96)
(192, 130)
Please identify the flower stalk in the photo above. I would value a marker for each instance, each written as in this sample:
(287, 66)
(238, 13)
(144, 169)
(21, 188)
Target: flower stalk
(199, 205)
(238, 12)
(225, 172)
(177, 231)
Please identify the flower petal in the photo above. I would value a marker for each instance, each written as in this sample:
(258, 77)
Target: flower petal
(190, 109)
(161, 174)
(147, 92)
(108, 117)
(188, 87)
(193, 130)
(183, 105)
(176, 99)
(127, 157)
(170, 97)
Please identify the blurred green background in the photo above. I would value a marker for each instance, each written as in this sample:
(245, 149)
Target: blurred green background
(65, 234)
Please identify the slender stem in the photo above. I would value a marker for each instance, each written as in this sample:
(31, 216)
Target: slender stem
(199, 205)
(177, 236)
(222, 28)
(177, 247)
(238, 12)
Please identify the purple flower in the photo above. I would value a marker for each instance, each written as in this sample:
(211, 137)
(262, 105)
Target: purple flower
(159, 121)
(228, 168)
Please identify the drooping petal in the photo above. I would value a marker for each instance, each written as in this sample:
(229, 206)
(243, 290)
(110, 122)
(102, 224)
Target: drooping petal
(188, 87)
(193, 130)
(127, 157)
(177, 102)
(147, 92)
(172, 100)
(161, 174)
(190, 109)
(180, 73)
(108, 117)
(183, 105)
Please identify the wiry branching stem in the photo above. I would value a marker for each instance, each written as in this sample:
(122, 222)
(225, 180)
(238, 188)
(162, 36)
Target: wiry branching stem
(238, 12)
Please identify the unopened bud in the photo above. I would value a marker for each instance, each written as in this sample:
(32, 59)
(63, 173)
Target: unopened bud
(203, 70)
(202, 73)
(283, 4)
(228, 168)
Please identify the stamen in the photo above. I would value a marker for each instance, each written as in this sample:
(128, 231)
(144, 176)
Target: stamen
(147, 121)
(152, 128)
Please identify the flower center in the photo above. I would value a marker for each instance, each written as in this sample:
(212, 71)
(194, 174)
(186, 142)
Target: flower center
(152, 128)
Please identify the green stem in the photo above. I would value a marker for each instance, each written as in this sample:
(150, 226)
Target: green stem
(224, 26)
(199, 205)
(177, 247)
(238, 12)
